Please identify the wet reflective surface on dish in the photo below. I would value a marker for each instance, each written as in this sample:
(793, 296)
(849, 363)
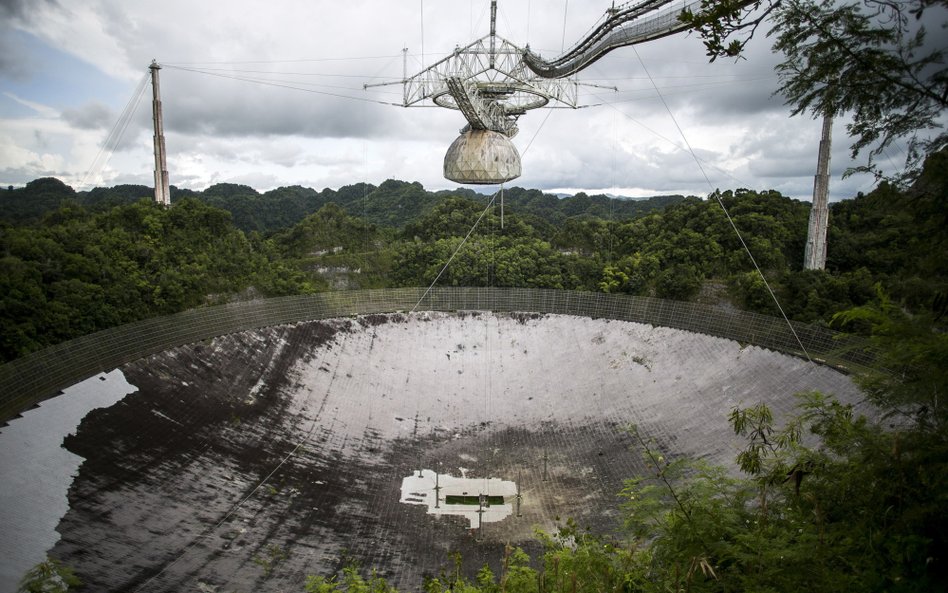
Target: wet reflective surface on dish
(247, 462)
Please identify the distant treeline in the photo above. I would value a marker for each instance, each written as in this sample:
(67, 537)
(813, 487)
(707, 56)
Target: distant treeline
(392, 204)
(74, 263)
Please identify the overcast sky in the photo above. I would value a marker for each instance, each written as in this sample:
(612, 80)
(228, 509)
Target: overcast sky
(68, 69)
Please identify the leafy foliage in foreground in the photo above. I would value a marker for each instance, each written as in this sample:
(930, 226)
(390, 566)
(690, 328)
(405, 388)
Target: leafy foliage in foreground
(49, 576)
(572, 561)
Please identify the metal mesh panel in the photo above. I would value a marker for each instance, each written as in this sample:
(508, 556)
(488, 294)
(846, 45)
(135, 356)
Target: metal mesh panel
(32, 378)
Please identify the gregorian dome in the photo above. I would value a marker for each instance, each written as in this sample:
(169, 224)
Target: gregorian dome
(482, 157)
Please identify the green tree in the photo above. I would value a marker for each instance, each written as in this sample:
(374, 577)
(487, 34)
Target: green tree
(77, 272)
(911, 376)
(857, 506)
(29, 204)
(329, 230)
(49, 576)
(679, 282)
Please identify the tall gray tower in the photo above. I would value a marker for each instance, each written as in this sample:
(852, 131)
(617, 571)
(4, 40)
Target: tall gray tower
(815, 256)
(162, 189)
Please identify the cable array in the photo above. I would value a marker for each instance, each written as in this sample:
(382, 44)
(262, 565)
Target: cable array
(724, 208)
(115, 134)
(285, 85)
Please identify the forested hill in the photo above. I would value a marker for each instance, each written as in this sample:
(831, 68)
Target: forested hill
(392, 204)
(73, 263)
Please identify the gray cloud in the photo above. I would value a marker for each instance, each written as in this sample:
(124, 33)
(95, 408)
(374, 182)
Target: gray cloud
(255, 180)
(289, 118)
(721, 92)
(195, 103)
(15, 62)
(22, 9)
(22, 175)
(135, 179)
(90, 116)
(221, 129)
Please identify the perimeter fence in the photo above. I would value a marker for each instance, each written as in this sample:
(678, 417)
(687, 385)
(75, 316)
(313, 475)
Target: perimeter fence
(28, 380)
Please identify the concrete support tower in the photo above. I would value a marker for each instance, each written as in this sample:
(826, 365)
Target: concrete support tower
(815, 256)
(162, 189)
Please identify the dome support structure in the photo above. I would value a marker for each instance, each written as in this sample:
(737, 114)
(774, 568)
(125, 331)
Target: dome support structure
(492, 81)
(489, 83)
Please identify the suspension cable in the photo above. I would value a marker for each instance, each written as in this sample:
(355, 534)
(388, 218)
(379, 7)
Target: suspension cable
(476, 222)
(565, 12)
(490, 203)
(115, 134)
(283, 85)
(723, 207)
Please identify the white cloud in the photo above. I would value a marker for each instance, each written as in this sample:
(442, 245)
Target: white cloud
(88, 29)
(90, 116)
(39, 108)
(220, 129)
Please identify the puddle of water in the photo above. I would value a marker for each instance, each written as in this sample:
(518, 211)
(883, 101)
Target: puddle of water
(36, 471)
(480, 500)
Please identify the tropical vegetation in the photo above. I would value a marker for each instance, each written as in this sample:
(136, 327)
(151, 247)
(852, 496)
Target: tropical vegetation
(828, 499)
(74, 263)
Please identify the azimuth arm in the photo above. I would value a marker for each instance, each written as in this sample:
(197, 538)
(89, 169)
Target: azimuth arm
(643, 20)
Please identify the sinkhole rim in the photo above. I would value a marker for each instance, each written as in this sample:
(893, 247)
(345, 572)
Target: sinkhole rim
(38, 376)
